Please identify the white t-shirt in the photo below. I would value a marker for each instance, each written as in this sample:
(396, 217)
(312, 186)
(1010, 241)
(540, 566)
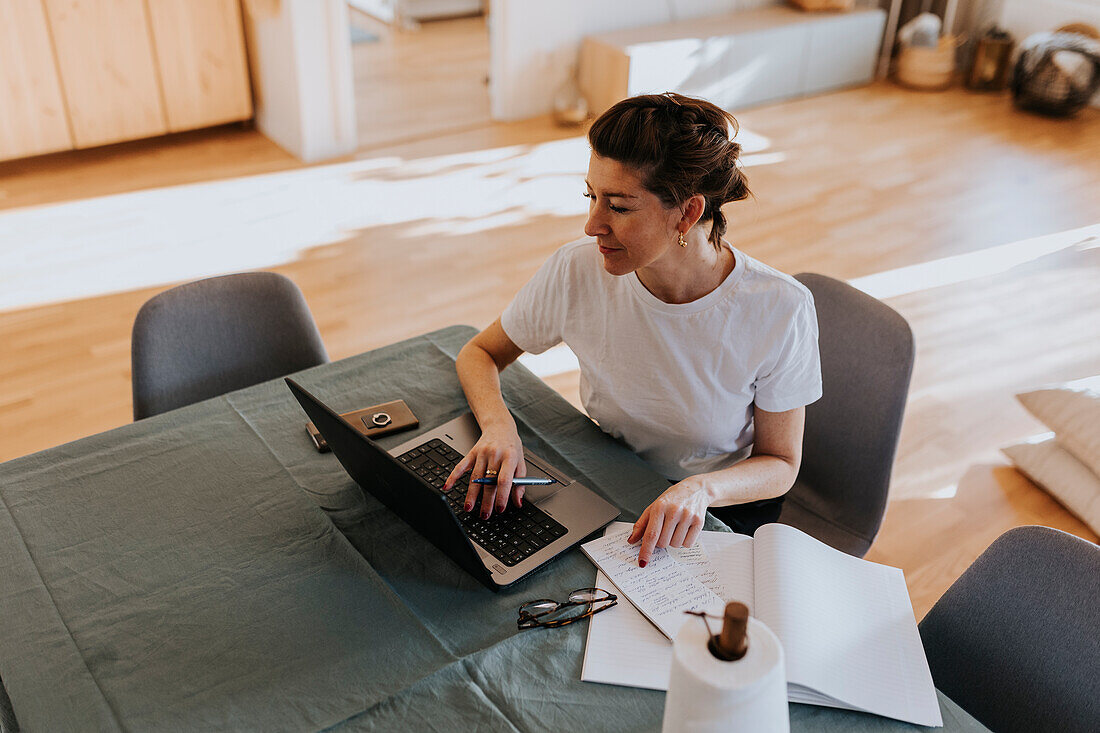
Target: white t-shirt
(676, 382)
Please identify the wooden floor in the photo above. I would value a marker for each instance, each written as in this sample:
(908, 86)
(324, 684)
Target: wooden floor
(921, 198)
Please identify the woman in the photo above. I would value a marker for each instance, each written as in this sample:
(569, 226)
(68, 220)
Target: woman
(698, 357)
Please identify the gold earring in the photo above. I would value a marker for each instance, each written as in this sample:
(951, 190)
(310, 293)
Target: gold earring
(681, 241)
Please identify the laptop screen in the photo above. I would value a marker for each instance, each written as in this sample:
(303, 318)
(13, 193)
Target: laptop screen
(393, 484)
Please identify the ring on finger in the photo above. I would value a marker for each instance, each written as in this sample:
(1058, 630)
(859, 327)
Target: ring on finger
(491, 472)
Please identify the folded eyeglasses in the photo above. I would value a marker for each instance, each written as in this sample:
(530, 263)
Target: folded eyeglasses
(550, 614)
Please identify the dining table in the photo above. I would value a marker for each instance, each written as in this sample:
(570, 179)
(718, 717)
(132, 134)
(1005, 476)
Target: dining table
(208, 569)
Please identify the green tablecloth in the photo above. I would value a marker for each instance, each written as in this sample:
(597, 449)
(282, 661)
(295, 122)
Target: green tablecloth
(208, 569)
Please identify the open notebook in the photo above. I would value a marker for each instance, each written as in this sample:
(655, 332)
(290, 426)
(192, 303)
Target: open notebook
(846, 624)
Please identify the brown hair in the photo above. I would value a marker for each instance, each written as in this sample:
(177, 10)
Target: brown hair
(682, 146)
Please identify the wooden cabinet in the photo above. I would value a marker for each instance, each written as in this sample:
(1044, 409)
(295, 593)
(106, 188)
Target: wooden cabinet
(80, 73)
(105, 57)
(32, 110)
(203, 68)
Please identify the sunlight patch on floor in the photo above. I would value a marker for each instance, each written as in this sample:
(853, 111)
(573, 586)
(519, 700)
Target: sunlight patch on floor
(947, 492)
(555, 360)
(973, 265)
(147, 238)
(92, 247)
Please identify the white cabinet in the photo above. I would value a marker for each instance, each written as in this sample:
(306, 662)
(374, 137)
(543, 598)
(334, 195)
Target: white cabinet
(732, 70)
(735, 60)
(414, 10)
(842, 50)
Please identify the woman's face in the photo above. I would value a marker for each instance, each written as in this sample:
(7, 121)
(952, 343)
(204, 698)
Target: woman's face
(632, 227)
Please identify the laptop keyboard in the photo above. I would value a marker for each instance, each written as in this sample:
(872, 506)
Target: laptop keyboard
(510, 537)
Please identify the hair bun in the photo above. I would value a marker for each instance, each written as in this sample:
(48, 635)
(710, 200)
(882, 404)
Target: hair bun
(733, 155)
(681, 146)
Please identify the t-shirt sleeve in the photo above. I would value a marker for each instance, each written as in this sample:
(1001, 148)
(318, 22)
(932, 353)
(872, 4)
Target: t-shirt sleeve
(535, 319)
(795, 377)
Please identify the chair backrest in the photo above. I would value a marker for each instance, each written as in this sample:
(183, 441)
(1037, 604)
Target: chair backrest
(851, 434)
(1015, 640)
(213, 336)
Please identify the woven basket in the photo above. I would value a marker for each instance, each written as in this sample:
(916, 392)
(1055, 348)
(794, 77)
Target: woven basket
(1083, 28)
(928, 69)
(824, 4)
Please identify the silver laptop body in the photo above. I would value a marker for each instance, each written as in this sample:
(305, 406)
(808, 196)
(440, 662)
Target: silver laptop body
(576, 507)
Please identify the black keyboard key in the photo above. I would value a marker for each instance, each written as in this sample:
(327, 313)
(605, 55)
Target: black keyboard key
(439, 457)
(510, 537)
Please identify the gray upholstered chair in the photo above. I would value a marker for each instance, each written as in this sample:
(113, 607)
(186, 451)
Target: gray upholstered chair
(213, 336)
(1015, 641)
(852, 431)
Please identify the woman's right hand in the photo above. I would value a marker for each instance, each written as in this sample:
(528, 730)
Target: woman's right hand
(498, 450)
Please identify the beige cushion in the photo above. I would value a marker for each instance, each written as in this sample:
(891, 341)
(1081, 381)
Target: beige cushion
(1074, 416)
(1071, 482)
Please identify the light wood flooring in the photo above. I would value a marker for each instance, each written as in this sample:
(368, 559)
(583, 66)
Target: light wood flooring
(933, 187)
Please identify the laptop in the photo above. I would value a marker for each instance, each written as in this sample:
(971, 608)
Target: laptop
(409, 481)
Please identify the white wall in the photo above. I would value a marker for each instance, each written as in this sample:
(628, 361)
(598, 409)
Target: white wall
(1024, 17)
(534, 43)
(300, 59)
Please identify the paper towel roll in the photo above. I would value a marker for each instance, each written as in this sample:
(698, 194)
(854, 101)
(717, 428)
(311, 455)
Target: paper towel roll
(708, 695)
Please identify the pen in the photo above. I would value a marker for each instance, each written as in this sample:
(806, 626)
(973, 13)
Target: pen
(518, 481)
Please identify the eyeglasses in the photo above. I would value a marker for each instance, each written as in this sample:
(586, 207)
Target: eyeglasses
(551, 614)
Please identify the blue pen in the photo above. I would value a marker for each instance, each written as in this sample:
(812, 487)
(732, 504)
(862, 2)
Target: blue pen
(517, 481)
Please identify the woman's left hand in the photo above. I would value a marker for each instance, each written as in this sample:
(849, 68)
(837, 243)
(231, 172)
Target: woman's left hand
(674, 519)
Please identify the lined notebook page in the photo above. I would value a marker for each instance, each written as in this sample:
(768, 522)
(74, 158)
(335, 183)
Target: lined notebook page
(662, 590)
(624, 648)
(731, 559)
(846, 626)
